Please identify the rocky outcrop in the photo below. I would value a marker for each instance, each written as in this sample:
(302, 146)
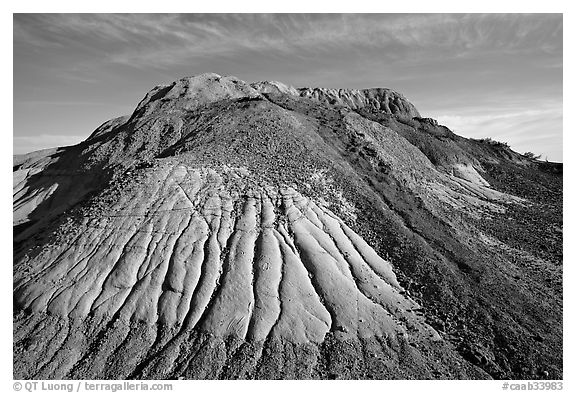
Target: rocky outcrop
(193, 92)
(377, 99)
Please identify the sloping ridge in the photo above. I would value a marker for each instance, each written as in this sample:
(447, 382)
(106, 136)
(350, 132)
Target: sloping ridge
(204, 236)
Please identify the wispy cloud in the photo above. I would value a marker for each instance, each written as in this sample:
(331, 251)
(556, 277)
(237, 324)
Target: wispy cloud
(163, 40)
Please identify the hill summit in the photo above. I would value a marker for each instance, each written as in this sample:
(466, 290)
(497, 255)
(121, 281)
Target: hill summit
(227, 229)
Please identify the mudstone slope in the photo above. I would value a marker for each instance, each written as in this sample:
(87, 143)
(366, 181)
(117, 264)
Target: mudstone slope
(235, 230)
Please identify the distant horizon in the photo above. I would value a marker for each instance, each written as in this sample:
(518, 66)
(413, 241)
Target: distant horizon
(493, 76)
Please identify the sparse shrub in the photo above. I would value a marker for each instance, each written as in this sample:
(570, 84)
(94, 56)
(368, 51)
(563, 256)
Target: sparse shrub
(493, 142)
(406, 120)
(532, 156)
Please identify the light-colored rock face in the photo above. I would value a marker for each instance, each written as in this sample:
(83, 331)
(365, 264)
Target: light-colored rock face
(196, 91)
(275, 87)
(383, 100)
(179, 249)
(379, 99)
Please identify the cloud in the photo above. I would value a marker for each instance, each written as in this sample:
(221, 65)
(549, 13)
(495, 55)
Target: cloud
(162, 40)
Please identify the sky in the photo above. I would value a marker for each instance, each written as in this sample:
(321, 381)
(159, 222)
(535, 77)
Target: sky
(482, 75)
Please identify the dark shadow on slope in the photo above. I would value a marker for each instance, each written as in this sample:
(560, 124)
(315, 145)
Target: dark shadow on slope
(76, 184)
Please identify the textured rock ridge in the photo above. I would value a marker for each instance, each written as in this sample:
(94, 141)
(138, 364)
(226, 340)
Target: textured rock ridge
(378, 99)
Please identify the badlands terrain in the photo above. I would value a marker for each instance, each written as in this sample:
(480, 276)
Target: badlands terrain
(228, 230)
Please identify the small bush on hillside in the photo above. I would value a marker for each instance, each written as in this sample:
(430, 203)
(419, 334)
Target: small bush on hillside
(493, 142)
(532, 156)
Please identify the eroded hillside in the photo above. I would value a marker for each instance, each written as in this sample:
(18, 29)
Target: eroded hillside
(229, 230)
